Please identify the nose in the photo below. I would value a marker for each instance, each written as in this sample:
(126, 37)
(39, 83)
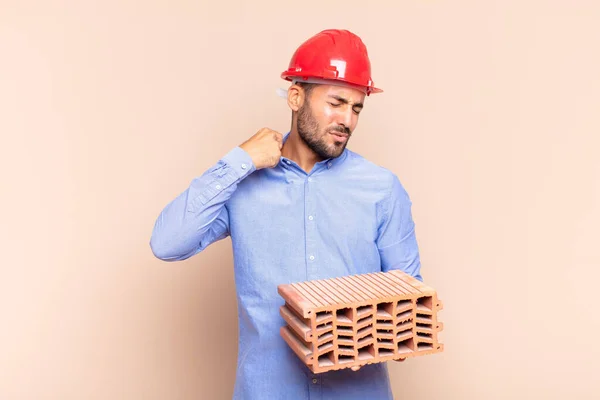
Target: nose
(345, 118)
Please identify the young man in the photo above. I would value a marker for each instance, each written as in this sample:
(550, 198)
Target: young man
(298, 207)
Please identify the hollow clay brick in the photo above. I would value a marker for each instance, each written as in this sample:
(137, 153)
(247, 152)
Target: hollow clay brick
(360, 319)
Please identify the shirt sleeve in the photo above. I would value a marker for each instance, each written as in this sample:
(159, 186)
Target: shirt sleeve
(198, 217)
(397, 242)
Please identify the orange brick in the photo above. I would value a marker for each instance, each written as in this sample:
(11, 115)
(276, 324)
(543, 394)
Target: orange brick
(360, 319)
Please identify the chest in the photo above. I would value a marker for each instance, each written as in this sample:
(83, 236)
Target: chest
(293, 205)
(304, 227)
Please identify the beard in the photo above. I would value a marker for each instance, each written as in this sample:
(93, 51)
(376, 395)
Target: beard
(310, 133)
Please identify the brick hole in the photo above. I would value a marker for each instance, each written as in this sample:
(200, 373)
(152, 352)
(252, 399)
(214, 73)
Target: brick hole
(404, 315)
(345, 359)
(345, 331)
(364, 329)
(385, 335)
(326, 360)
(362, 310)
(404, 325)
(406, 346)
(360, 321)
(326, 337)
(322, 316)
(385, 310)
(403, 305)
(365, 339)
(424, 346)
(324, 326)
(344, 315)
(383, 326)
(366, 353)
(425, 303)
(325, 346)
(423, 316)
(385, 352)
(404, 335)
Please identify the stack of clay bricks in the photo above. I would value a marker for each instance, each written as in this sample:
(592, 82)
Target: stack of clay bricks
(360, 319)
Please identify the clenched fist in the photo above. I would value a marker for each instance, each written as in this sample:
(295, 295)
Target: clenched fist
(264, 148)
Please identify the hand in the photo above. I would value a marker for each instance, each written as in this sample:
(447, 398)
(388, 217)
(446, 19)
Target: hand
(264, 147)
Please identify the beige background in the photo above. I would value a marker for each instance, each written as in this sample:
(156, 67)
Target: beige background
(490, 117)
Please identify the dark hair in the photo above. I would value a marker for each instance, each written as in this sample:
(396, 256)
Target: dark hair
(307, 87)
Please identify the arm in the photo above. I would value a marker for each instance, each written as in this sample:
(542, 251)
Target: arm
(397, 241)
(198, 217)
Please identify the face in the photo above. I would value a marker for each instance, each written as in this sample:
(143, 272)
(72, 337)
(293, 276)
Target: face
(327, 118)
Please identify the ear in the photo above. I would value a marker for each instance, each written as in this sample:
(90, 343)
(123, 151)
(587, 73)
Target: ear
(295, 97)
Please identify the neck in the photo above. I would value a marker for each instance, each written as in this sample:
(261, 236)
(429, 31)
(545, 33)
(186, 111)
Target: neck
(298, 151)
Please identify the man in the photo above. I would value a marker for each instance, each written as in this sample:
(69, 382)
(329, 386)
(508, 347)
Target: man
(298, 207)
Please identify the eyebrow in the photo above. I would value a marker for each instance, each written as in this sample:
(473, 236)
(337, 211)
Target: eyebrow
(345, 101)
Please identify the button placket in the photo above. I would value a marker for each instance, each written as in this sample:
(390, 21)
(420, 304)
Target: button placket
(310, 229)
(315, 390)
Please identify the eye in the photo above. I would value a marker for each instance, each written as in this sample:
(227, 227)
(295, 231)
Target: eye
(334, 104)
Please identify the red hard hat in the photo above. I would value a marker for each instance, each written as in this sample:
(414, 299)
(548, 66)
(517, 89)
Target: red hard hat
(333, 54)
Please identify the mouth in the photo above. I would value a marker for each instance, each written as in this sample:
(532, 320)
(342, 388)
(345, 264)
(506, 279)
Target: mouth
(339, 136)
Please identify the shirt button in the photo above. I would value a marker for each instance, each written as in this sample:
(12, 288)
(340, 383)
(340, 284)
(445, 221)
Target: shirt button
(310, 179)
(311, 258)
(310, 217)
(244, 166)
(315, 380)
(329, 164)
(218, 187)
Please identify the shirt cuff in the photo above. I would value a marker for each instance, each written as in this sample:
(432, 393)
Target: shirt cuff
(239, 161)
